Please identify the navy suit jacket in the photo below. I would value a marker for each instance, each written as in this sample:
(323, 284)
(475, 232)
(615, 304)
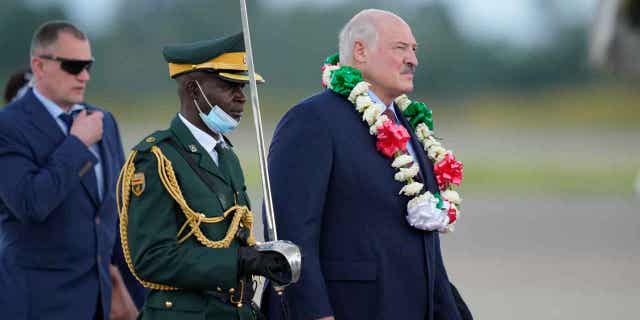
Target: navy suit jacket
(56, 236)
(335, 196)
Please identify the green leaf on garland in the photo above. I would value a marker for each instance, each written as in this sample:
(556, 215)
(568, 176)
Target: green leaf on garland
(440, 201)
(344, 79)
(332, 59)
(418, 112)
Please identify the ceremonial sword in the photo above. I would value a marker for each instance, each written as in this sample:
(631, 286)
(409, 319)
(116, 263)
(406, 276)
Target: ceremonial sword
(287, 249)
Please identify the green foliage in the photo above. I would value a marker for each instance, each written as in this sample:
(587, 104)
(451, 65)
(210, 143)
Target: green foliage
(17, 24)
(534, 179)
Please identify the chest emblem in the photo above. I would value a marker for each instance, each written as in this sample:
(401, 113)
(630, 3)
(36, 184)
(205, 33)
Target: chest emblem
(137, 184)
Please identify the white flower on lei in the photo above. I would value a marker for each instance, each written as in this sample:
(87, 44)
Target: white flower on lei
(429, 142)
(422, 131)
(423, 213)
(452, 196)
(402, 102)
(363, 102)
(371, 114)
(411, 189)
(359, 90)
(405, 173)
(437, 152)
(373, 130)
(402, 160)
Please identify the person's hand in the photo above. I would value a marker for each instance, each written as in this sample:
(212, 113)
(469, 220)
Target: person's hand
(122, 306)
(87, 127)
(271, 265)
(327, 318)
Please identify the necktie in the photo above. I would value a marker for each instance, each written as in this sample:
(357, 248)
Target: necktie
(222, 156)
(68, 119)
(89, 178)
(225, 159)
(387, 112)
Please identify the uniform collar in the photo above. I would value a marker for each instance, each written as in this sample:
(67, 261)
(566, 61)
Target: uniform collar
(204, 139)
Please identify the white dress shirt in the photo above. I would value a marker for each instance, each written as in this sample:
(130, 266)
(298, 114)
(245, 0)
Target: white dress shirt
(204, 139)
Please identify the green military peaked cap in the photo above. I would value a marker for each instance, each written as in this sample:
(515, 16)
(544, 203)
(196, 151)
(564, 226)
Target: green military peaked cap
(225, 56)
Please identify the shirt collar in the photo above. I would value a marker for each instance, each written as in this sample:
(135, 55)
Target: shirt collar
(204, 139)
(378, 103)
(54, 109)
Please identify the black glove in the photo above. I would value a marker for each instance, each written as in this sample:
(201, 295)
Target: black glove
(271, 265)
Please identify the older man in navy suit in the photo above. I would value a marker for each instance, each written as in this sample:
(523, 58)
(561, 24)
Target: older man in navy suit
(335, 195)
(59, 160)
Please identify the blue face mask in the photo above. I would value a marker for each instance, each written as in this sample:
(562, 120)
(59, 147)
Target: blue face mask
(216, 120)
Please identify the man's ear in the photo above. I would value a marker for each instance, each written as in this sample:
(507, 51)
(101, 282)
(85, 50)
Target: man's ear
(359, 52)
(191, 88)
(37, 67)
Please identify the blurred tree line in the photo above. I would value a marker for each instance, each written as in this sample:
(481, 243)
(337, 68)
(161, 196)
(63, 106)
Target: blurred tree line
(290, 46)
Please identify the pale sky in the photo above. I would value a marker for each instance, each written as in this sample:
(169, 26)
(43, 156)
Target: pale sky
(518, 22)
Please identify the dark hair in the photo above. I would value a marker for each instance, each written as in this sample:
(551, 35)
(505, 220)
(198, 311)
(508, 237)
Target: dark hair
(47, 34)
(16, 82)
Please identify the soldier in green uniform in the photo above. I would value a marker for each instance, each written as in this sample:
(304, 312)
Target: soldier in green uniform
(185, 219)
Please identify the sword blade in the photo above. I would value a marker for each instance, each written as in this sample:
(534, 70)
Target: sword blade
(272, 233)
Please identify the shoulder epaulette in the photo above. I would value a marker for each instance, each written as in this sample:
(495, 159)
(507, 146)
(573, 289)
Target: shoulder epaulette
(152, 140)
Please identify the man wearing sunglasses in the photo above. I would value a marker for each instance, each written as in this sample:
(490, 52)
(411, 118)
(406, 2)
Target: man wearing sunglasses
(59, 161)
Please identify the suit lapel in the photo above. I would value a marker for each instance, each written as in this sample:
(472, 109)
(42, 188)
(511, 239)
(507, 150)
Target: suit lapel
(41, 119)
(426, 166)
(107, 169)
(44, 122)
(89, 182)
(107, 158)
(187, 141)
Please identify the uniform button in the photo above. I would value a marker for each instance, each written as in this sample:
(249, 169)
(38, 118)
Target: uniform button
(232, 290)
(168, 304)
(219, 289)
(97, 219)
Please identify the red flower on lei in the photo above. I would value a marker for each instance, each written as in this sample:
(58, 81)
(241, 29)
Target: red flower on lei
(448, 171)
(391, 138)
(453, 215)
(324, 66)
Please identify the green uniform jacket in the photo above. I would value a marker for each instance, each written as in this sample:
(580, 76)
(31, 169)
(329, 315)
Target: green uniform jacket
(154, 219)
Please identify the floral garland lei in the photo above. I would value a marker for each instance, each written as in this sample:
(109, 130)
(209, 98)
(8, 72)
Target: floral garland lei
(425, 211)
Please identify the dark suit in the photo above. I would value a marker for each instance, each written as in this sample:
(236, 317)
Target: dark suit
(56, 235)
(335, 196)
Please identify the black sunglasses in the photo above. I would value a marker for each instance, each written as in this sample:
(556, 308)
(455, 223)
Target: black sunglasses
(71, 66)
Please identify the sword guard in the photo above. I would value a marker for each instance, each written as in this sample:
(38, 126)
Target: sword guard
(290, 252)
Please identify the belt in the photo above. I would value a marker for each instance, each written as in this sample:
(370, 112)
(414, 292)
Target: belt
(236, 297)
